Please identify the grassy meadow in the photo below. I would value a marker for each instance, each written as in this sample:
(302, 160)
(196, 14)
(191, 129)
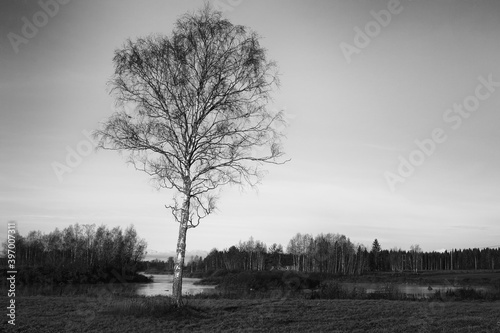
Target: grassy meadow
(264, 302)
(156, 314)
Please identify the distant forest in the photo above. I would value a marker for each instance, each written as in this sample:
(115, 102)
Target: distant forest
(90, 254)
(334, 254)
(79, 254)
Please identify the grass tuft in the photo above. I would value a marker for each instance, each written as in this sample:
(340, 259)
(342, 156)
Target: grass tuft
(156, 306)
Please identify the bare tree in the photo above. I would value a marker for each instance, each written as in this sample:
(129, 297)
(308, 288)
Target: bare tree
(199, 118)
(416, 255)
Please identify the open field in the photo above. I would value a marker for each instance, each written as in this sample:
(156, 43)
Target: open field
(95, 314)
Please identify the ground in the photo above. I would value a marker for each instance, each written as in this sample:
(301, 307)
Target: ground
(93, 314)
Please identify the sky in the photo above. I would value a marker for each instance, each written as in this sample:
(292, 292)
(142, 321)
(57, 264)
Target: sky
(393, 109)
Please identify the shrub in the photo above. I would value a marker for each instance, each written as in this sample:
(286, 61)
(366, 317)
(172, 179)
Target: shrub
(332, 290)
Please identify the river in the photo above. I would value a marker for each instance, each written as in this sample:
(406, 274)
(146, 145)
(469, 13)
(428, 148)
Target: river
(408, 289)
(162, 285)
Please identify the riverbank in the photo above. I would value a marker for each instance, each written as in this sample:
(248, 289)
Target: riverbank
(44, 276)
(457, 278)
(402, 286)
(95, 314)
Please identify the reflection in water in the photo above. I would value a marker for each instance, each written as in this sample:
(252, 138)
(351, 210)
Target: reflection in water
(408, 289)
(162, 285)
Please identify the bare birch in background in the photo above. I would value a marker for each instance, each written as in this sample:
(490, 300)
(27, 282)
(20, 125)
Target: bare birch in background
(199, 118)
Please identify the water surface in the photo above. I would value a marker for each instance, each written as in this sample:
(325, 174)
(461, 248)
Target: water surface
(162, 285)
(408, 289)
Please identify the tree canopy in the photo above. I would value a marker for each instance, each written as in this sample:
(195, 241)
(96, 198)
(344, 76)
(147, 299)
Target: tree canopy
(197, 115)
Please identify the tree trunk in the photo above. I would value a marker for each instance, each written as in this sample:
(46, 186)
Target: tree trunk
(181, 253)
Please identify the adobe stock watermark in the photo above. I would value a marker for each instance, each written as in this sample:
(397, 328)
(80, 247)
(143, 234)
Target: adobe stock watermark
(85, 147)
(31, 27)
(226, 5)
(372, 29)
(453, 116)
(74, 156)
(86, 312)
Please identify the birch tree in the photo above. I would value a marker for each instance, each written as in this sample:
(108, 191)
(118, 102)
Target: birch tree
(195, 114)
(416, 256)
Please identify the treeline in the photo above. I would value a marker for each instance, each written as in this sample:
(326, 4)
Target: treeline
(464, 259)
(79, 254)
(156, 266)
(337, 254)
(325, 253)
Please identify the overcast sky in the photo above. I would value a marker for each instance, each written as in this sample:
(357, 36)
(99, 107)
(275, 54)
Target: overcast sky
(393, 111)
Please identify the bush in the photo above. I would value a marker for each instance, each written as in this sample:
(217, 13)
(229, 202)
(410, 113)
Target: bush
(332, 290)
(464, 294)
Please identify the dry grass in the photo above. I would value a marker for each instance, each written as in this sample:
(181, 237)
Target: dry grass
(129, 314)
